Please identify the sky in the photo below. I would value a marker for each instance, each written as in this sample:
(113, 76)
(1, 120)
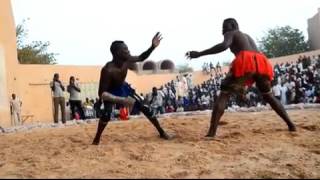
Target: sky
(81, 31)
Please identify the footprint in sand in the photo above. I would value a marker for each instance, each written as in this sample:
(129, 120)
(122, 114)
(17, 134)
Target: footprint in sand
(180, 174)
(309, 127)
(233, 135)
(222, 123)
(315, 151)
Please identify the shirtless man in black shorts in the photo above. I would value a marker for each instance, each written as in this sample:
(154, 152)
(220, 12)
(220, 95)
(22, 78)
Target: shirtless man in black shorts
(114, 90)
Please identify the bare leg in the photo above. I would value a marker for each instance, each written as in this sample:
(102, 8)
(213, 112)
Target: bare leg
(264, 85)
(217, 112)
(103, 122)
(278, 107)
(101, 127)
(145, 110)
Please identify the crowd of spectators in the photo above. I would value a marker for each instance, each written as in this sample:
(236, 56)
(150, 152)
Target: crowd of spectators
(294, 82)
(208, 68)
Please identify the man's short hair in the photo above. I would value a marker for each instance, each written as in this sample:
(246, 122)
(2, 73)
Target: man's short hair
(115, 46)
(233, 22)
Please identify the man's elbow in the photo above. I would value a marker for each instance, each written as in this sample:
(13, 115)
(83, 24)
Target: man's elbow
(141, 58)
(224, 46)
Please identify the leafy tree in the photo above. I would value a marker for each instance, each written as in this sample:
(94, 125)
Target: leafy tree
(226, 63)
(184, 68)
(35, 52)
(282, 41)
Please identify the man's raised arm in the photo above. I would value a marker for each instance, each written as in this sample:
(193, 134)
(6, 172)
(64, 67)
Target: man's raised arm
(155, 43)
(228, 38)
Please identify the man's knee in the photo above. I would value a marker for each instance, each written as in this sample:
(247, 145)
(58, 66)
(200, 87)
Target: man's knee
(106, 113)
(226, 86)
(106, 117)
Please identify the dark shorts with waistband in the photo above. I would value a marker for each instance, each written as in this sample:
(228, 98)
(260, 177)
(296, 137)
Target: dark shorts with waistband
(124, 90)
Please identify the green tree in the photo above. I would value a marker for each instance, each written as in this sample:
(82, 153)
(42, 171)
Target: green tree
(226, 63)
(35, 52)
(282, 41)
(184, 68)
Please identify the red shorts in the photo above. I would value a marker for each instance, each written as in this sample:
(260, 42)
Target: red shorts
(250, 62)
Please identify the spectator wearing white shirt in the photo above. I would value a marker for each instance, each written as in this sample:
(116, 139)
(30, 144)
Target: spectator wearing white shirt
(277, 91)
(15, 107)
(283, 91)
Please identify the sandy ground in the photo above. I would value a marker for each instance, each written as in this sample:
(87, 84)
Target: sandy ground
(248, 145)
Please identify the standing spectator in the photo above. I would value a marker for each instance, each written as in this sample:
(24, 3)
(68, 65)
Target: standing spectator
(283, 91)
(218, 67)
(156, 102)
(211, 67)
(75, 100)
(299, 98)
(184, 85)
(180, 104)
(15, 108)
(189, 81)
(58, 98)
(277, 91)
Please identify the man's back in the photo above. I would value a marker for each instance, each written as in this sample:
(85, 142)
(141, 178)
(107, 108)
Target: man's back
(242, 42)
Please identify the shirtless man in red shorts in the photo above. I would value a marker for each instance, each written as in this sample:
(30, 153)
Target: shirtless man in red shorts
(248, 67)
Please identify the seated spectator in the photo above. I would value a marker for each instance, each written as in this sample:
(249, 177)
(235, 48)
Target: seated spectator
(169, 107)
(88, 108)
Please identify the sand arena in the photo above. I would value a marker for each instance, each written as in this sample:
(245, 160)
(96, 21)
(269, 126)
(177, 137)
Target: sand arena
(248, 145)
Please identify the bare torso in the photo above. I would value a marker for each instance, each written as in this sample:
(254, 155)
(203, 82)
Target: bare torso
(241, 42)
(112, 76)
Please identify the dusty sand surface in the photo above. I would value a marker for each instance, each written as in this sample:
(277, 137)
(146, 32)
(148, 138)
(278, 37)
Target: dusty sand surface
(248, 145)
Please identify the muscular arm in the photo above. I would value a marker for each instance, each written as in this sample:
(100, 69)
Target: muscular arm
(155, 43)
(227, 42)
(142, 56)
(228, 38)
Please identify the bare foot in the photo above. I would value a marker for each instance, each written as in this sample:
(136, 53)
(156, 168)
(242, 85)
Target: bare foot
(292, 129)
(209, 137)
(166, 136)
(96, 142)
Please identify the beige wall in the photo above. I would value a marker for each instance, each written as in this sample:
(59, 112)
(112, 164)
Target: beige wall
(314, 31)
(8, 58)
(294, 57)
(32, 85)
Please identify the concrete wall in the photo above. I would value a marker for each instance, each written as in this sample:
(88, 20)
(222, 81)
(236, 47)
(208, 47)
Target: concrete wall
(314, 31)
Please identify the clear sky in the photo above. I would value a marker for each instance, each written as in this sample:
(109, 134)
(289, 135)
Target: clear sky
(81, 31)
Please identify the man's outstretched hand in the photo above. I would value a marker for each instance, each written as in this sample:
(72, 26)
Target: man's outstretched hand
(192, 54)
(156, 40)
